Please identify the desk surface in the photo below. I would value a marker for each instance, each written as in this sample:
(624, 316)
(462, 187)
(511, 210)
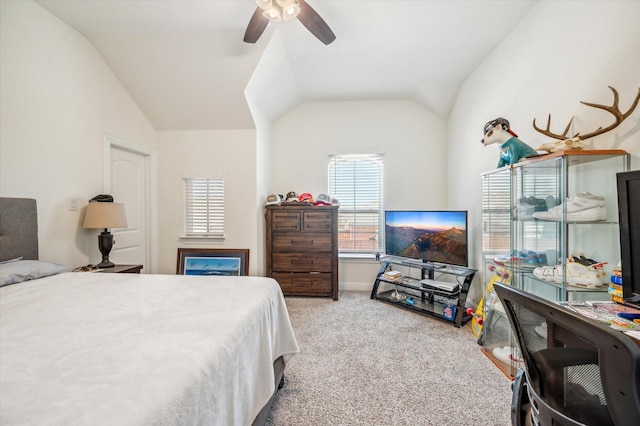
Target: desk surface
(616, 315)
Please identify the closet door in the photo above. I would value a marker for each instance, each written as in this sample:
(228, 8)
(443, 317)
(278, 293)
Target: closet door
(128, 185)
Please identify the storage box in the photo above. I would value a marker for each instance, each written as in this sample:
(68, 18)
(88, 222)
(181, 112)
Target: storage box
(449, 312)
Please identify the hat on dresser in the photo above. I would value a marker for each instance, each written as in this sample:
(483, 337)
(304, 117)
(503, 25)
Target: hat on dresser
(273, 199)
(305, 197)
(292, 197)
(322, 200)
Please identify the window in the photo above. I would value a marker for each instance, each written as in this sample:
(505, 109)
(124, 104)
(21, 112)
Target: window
(204, 206)
(356, 180)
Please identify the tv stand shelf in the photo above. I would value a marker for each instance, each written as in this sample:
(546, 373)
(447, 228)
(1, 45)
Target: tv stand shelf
(412, 291)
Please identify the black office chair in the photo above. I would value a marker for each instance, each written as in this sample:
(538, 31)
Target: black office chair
(578, 372)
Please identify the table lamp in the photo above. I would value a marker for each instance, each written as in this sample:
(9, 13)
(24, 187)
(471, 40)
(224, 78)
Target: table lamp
(104, 215)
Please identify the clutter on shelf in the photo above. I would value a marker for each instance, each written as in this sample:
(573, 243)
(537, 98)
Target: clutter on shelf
(292, 198)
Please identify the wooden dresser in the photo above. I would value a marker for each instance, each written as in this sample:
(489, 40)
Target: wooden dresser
(302, 249)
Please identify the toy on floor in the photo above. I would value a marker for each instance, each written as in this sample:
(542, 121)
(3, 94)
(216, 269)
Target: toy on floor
(488, 300)
(512, 149)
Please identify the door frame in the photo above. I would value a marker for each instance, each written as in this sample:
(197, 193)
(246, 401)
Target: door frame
(151, 190)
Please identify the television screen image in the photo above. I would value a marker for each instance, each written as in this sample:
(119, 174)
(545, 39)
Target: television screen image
(432, 236)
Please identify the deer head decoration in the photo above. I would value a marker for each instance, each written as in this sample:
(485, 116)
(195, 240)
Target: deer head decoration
(575, 142)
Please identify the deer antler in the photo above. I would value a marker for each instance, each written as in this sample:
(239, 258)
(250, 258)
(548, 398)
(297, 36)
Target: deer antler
(548, 132)
(613, 109)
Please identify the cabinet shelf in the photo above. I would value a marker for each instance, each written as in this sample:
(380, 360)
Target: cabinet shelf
(416, 293)
(510, 197)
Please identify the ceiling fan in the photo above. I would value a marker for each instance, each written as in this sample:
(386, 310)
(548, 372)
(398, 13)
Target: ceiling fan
(278, 10)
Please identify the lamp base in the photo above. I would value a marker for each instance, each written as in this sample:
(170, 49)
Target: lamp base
(105, 243)
(106, 264)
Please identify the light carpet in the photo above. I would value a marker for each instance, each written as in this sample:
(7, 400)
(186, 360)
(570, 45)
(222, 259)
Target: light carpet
(365, 362)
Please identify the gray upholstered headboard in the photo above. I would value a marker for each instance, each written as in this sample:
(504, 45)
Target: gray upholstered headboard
(18, 228)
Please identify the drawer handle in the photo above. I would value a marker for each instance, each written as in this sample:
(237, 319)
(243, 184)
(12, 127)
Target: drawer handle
(302, 262)
(302, 242)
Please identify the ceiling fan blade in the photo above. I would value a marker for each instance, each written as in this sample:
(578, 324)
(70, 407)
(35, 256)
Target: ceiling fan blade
(256, 26)
(315, 24)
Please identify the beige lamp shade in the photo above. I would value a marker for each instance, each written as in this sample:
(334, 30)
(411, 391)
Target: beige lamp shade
(105, 215)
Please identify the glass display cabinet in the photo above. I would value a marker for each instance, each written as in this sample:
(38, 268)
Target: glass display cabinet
(549, 227)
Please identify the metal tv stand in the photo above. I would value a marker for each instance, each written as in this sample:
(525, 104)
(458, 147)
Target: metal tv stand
(413, 291)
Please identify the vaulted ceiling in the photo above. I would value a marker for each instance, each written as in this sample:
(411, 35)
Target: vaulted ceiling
(186, 66)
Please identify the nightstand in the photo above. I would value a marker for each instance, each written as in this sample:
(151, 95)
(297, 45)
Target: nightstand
(123, 269)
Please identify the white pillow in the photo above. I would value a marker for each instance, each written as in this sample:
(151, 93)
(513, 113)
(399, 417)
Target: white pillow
(12, 260)
(23, 270)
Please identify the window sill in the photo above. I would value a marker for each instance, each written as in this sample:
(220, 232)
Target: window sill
(357, 257)
(195, 238)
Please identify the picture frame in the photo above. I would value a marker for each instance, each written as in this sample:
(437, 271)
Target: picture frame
(213, 262)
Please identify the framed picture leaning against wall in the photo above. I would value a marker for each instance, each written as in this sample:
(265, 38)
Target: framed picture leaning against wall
(214, 262)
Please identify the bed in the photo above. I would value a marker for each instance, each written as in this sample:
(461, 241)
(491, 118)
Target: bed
(129, 349)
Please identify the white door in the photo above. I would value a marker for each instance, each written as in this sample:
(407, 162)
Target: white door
(128, 185)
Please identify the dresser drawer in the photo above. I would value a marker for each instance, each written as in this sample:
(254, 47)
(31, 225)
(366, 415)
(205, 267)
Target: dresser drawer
(318, 220)
(304, 284)
(297, 262)
(307, 242)
(284, 221)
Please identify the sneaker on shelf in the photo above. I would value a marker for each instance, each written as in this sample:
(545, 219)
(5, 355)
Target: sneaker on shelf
(499, 307)
(527, 206)
(523, 258)
(551, 202)
(508, 259)
(579, 275)
(508, 354)
(551, 274)
(583, 260)
(578, 209)
(541, 330)
(588, 196)
(592, 265)
(598, 199)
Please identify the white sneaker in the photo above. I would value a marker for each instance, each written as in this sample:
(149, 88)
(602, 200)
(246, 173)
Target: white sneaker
(578, 209)
(583, 276)
(577, 275)
(587, 196)
(498, 307)
(508, 354)
(549, 273)
(541, 330)
(598, 199)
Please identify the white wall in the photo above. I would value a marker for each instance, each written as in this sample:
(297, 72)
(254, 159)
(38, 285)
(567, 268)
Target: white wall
(231, 153)
(562, 53)
(58, 99)
(263, 182)
(273, 66)
(412, 139)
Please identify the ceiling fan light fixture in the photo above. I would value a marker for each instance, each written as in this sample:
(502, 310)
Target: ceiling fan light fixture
(290, 9)
(264, 4)
(273, 13)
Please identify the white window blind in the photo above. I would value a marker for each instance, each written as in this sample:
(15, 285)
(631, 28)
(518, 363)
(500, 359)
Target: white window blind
(504, 191)
(204, 206)
(357, 181)
(496, 212)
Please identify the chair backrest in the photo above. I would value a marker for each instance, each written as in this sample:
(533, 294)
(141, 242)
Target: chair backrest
(577, 370)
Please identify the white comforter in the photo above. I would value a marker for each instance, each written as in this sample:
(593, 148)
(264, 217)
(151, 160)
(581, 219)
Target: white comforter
(127, 349)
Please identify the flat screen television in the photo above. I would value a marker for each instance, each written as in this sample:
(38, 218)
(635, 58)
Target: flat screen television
(432, 236)
(629, 215)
